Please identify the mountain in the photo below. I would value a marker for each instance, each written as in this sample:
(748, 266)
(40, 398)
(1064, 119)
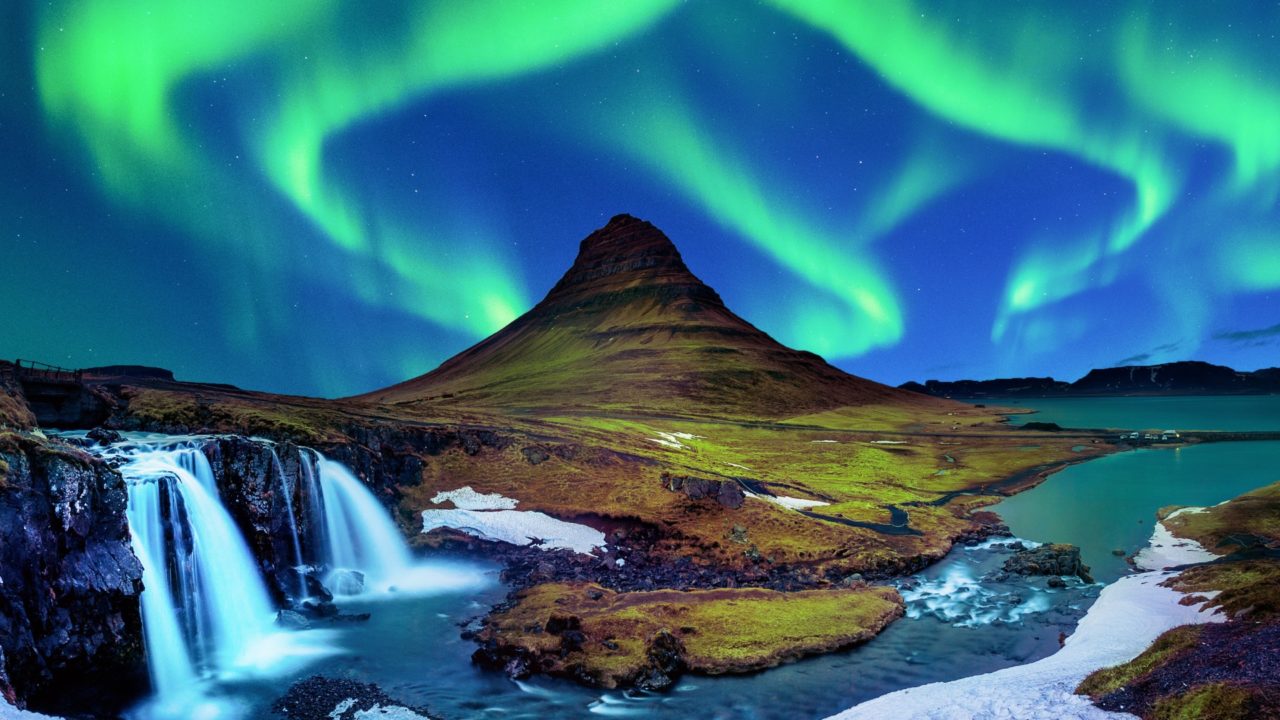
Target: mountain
(630, 328)
(1179, 378)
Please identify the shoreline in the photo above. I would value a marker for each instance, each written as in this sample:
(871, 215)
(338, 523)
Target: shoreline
(1122, 623)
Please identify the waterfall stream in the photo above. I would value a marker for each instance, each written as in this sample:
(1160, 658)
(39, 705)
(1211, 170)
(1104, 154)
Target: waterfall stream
(207, 610)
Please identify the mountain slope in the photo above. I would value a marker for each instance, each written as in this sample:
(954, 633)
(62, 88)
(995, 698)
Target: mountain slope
(629, 327)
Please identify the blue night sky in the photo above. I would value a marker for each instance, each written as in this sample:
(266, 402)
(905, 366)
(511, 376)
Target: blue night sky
(319, 197)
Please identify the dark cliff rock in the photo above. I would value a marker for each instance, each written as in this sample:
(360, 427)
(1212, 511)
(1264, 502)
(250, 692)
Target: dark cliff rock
(1057, 559)
(70, 625)
(259, 486)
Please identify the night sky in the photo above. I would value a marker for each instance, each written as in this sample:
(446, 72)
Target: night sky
(318, 197)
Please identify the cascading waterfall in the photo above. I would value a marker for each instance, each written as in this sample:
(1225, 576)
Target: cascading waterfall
(207, 614)
(221, 612)
(359, 534)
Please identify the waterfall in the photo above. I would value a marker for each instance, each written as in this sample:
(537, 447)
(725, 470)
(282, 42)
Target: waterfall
(206, 612)
(358, 531)
(221, 612)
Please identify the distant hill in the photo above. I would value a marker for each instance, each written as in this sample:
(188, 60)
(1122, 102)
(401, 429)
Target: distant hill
(1179, 378)
(629, 327)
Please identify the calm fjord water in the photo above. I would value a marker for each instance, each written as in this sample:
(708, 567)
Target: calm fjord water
(1218, 412)
(1110, 503)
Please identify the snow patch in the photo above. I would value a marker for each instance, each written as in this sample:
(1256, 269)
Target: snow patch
(1127, 617)
(791, 503)
(1166, 550)
(824, 442)
(889, 442)
(517, 527)
(740, 467)
(464, 498)
(672, 440)
(391, 712)
(8, 712)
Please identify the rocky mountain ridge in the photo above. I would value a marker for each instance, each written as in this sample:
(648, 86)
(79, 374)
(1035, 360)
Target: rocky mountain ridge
(1178, 378)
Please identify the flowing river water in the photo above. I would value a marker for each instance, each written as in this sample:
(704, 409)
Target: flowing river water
(962, 618)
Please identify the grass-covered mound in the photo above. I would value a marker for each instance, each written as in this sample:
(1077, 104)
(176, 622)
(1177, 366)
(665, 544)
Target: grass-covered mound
(1251, 520)
(615, 639)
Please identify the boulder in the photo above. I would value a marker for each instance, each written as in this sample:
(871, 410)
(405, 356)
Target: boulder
(727, 493)
(1058, 559)
(291, 620)
(666, 662)
(346, 582)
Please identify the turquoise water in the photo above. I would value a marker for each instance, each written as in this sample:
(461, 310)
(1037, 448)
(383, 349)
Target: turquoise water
(1235, 412)
(1110, 503)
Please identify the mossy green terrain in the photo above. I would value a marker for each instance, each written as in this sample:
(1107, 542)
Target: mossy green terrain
(716, 631)
(1250, 520)
(1109, 680)
(1214, 701)
(14, 412)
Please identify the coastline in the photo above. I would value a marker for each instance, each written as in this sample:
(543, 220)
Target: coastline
(1127, 617)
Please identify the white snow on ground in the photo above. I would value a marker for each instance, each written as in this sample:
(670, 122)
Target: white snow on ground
(464, 498)
(821, 442)
(790, 503)
(391, 712)
(9, 712)
(518, 527)
(888, 442)
(672, 440)
(740, 467)
(1127, 617)
(1167, 550)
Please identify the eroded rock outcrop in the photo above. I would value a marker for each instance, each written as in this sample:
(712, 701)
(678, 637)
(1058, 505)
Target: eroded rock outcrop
(1058, 559)
(728, 493)
(70, 626)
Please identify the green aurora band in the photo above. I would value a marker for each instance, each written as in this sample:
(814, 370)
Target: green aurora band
(110, 73)
(1131, 102)
(1017, 90)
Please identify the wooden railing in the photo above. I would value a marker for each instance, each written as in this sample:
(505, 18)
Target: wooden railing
(31, 370)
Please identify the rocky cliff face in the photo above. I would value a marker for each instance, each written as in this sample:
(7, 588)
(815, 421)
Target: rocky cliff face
(70, 626)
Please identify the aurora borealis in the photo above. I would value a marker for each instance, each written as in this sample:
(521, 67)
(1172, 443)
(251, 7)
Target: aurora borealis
(323, 197)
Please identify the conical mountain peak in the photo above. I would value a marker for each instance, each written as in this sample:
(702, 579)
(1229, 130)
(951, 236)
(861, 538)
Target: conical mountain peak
(625, 253)
(631, 329)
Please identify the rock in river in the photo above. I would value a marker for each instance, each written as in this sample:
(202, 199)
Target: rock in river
(1056, 559)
